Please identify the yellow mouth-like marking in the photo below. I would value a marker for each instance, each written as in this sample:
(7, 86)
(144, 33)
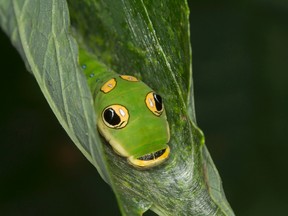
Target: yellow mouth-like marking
(150, 160)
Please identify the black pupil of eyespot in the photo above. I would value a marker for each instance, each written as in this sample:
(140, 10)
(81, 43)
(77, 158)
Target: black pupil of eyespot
(111, 117)
(158, 102)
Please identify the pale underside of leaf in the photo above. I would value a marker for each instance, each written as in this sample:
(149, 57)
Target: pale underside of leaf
(148, 45)
(42, 35)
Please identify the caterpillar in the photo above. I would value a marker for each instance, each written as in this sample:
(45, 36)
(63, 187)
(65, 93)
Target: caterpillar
(131, 116)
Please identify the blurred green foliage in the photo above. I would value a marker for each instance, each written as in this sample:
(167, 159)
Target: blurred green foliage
(240, 72)
(240, 53)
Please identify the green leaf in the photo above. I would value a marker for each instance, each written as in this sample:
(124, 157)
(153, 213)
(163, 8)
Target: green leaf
(40, 31)
(149, 39)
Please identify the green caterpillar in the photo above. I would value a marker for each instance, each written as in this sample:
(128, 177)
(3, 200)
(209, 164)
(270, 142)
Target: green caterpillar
(131, 116)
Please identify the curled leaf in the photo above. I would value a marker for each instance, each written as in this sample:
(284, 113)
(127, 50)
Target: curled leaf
(148, 39)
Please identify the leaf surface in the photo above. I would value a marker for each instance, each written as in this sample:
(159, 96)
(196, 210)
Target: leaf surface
(148, 39)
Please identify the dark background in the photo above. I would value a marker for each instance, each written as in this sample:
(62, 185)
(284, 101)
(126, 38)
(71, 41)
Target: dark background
(240, 71)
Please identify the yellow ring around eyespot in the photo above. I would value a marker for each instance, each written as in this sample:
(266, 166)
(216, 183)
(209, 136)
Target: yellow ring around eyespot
(109, 85)
(150, 103)
(129, 78)
(123, 114)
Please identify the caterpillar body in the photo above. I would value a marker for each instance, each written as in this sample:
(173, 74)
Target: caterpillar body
(131, 116)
